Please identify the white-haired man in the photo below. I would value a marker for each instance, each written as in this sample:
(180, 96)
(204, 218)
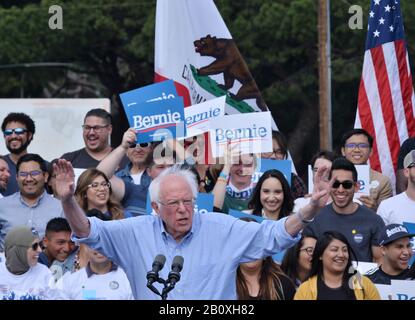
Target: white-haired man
(212, 245)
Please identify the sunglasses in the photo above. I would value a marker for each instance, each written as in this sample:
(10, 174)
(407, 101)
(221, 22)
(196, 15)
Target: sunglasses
(346, 184)
(18, 131)
(141, 145)
(35, 246)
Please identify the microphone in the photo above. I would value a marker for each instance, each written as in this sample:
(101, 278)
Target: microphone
(174, 274)
(158, 264)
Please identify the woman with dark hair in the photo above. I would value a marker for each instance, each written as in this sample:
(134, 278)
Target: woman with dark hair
(297, 260)
(280, 152)
(93, 191)
(262, 280)
(271, 197)
(332, 276)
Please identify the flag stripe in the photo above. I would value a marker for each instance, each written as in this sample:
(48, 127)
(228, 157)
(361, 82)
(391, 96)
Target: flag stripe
(406, 85)
(386, 102)
(366, 116)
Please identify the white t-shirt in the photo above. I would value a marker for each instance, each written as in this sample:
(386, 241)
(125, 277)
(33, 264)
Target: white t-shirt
(113, 285)
(397, 209)
(137, 177)
(32, 285)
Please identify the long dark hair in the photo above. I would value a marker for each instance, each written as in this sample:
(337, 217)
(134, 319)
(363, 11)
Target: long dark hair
(288, 203)
(270, 286)
(289, 263)
(322, 243)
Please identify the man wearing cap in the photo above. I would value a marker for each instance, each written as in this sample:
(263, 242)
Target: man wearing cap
(401, 208)
(396, 253)
(401, 180)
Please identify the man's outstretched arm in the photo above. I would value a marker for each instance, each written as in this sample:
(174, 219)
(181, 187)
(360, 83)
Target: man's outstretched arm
(65, 189)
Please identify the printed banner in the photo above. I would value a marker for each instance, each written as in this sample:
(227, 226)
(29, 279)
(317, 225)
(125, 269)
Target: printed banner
(268, 164)
(411, 229)
(154, 92)
(198, 117)
(158, 120)
(403, 289)
(250, 132)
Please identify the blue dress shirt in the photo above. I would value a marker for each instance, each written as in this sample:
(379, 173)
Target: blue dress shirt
(212, 251)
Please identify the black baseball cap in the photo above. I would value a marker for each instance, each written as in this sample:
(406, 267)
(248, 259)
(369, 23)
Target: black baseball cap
(393, 232)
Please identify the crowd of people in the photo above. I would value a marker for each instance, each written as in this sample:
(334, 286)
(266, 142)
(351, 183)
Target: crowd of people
(94, 237)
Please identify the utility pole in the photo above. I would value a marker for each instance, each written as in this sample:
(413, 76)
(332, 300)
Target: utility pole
(324, 71)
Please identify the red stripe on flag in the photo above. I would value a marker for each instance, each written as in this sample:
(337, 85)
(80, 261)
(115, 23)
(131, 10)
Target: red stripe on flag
(406, 86)
(366, 121)
(386, 102)
(181, 89)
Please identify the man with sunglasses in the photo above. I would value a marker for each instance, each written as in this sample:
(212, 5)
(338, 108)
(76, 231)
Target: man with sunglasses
(356, 146)
(31, 206)
(401, 208)
(97, 129)
(18, 131)
(135, 171)
(358, 223)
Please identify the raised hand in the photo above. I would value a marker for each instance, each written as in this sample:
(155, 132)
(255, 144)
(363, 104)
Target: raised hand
(322, 186)
(65, 179)
(129, 138)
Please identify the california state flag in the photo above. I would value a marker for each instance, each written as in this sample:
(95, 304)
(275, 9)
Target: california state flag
(194, 48)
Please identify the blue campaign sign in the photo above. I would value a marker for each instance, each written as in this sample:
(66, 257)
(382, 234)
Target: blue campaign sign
(204, 203)
(411, 229)
(238, 214)
(153, 92)
(267, 164)
(158, 120)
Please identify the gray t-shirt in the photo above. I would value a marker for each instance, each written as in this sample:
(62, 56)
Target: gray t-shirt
(361, 228)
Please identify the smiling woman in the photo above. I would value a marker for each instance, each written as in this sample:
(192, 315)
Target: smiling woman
(332, 276)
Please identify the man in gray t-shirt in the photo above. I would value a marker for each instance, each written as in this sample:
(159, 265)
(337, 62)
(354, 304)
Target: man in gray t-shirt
(360, 225)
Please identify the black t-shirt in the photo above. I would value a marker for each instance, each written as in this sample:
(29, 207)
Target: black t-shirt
(326, 293)
(82, 160)
(286, 291)
(380, 277)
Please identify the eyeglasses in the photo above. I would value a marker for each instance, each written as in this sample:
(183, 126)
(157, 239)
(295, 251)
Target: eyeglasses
(346, 184)
(276, 152)
(18, 131)
(96, 185)
(309, 250)
(34, 173)
(176, 203)
(357, 145)
(35, 246)
(95, 128)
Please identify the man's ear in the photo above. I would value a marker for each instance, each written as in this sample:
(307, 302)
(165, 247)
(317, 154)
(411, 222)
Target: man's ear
(155, 207)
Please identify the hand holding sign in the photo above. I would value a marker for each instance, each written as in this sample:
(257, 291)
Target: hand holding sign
(128, 138)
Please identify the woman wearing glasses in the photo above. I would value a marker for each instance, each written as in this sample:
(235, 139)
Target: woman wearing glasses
(297, 260)
(332, 276)
(271, 197)
(21, 276)
(93, 191)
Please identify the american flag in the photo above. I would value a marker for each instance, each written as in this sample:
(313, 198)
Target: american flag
(386, 96)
